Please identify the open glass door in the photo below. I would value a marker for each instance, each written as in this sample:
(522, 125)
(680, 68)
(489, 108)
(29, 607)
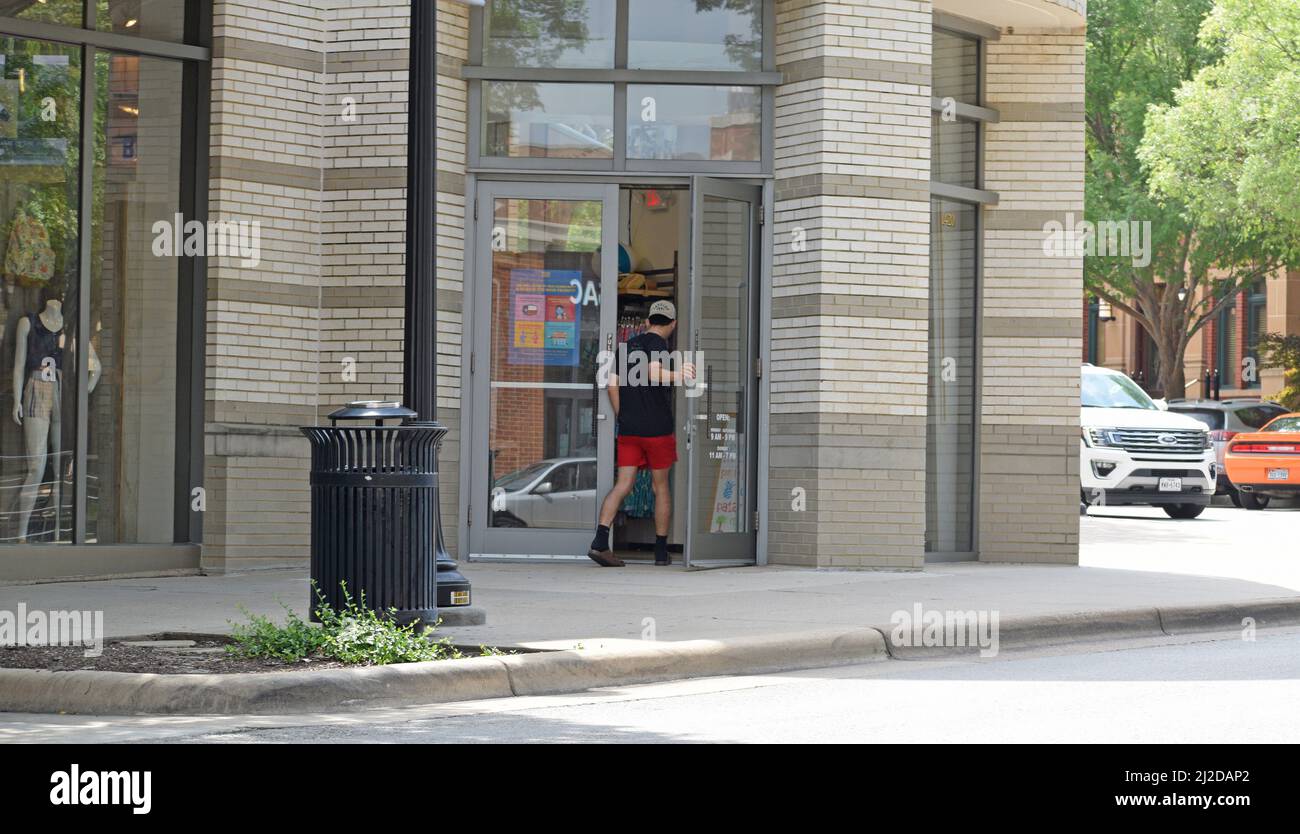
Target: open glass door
(721, 415)
(544, 300)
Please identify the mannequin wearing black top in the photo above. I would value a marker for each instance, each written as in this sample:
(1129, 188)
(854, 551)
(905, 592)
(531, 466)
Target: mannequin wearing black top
(39, 351)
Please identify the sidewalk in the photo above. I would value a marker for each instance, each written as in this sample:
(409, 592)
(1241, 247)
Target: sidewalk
(560, 606)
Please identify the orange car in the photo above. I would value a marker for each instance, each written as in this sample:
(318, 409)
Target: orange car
(1266, 464)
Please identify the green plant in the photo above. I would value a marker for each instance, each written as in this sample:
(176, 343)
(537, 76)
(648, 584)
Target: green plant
(353, 634)
(360, 635)
(1283, 352)
(259, 637)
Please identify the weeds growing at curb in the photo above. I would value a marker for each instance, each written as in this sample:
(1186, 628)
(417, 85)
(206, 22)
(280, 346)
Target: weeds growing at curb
(354, 634)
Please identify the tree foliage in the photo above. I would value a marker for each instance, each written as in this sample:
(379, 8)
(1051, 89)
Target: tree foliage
(1141, 53)
(1228, 149)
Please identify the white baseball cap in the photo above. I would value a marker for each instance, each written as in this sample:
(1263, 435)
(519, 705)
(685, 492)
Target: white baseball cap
(665, 309)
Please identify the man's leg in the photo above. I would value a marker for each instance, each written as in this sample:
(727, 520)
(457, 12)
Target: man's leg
(623, 483)
(600, 551)
(663, 513)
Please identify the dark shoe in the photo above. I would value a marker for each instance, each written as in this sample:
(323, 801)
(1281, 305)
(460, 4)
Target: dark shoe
(605, 558)
(663, 563)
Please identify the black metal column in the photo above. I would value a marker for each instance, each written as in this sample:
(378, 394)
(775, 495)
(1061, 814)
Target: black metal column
(420, 366)
(420, 370)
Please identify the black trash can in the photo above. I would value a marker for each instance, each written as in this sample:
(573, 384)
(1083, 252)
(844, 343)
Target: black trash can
(374, 506)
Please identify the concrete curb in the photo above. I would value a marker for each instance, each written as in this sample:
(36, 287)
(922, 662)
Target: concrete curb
(407, 684)
(544, 673)
(1269, 613)
(1128, 624)
(575, 671)
(1044, 631)
(124, 693)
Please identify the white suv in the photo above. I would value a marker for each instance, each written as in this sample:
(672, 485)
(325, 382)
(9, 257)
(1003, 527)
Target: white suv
(1134, 452)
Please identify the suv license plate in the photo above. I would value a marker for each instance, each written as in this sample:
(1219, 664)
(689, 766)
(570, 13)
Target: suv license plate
(1279, 474)
(1171, 484)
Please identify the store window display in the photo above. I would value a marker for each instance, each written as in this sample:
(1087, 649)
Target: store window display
(39, 385)
(39, 253)
(130, 306)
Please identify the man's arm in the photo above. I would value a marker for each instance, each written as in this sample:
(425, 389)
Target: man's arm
(612, 388)
(661, 376)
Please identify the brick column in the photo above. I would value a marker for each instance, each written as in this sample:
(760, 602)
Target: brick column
(264, 321)
(850, 311)
(1029, 432)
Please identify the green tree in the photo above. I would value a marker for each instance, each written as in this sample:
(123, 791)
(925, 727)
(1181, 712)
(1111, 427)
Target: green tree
(1229, 147)
(1140, 53)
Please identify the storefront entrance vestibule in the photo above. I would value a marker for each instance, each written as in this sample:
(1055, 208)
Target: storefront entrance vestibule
(562, 274)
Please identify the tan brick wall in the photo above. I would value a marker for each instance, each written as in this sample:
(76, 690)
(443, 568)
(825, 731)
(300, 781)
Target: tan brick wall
(1032, 319)
(364, 226)
(263, 322)
(309, 137)
(849, 328)
(849, 375)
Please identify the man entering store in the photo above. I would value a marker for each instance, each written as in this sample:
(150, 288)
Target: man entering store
(643, 406)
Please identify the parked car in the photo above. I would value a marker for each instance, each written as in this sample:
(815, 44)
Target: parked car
(1132, 451)
(556, 492)
(1266, 464)
(1226, 419)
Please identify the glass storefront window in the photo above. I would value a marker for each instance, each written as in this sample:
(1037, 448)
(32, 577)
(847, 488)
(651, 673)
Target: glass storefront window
(526, 33)
(62, 12)
(950, 446)
(545, 340)
(162, 20)
(39, 249)
(954, 152)
(956, 67)
(694, 122)
(691, 118)
(557, 121)
(129, 353)
(693, 35)
(131, 458)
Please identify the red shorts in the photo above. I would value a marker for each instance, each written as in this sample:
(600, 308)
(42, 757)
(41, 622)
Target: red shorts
(653, 452)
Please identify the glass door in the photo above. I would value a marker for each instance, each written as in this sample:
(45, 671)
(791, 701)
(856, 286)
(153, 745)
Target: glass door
(721, 415)
(545, 298)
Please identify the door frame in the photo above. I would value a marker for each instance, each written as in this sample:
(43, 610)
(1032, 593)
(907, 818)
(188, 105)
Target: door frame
(703, 187)
(463, 440)
(524, 544)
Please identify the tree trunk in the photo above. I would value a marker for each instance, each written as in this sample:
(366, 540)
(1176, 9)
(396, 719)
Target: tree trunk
(1172, 375)
(1173, 379)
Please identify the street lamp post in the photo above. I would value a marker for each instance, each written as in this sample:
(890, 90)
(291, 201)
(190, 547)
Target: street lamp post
(420, 365)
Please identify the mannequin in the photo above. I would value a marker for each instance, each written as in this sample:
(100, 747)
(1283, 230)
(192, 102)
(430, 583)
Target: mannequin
(39, 348)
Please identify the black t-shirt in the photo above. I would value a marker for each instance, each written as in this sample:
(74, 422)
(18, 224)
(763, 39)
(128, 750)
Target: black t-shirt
(645, 408)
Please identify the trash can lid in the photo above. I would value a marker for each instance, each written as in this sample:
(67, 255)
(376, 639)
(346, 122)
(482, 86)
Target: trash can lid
(372, 410)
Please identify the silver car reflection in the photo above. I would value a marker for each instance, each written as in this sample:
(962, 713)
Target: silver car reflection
(557, 492)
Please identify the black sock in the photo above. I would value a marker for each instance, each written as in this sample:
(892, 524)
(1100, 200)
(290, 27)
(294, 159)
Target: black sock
(661, 548)
(601, 542)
